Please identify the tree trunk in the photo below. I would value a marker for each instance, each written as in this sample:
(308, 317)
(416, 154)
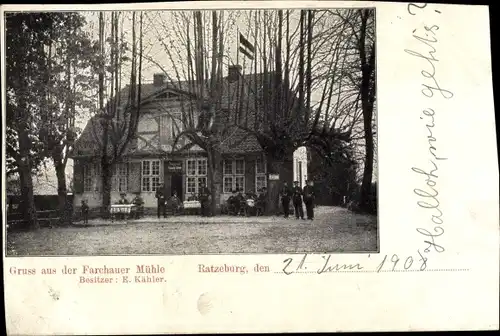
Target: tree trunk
(25, 174)
(214, 174)
(27, 196)
(364, 201)
(107, 174)
(367, 99)
(62, 191)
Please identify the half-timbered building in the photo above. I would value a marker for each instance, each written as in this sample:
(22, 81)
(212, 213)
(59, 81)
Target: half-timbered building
(150, 161)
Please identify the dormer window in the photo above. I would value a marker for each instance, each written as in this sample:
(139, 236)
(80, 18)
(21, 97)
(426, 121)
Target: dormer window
(166, 95)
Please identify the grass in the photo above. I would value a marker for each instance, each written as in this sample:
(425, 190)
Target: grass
(333, 230)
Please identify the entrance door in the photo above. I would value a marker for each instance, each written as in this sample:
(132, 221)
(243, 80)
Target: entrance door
(176, 184)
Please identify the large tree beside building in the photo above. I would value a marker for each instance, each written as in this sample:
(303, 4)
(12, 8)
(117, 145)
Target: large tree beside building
(36, 122)
(304, 97)
(69, 87)
(296, 87)
(193, 50)
(301, 83)
(117, 109)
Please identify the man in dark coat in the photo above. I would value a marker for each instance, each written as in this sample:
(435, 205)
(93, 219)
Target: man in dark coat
(261, 202)
(204, 200)
(123, 200)
(232, 203)
(297, 200)
(85, 212)
(285, 194)
(160, 199)
(309, 199)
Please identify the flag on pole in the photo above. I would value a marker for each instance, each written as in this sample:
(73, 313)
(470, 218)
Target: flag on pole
(246, 48)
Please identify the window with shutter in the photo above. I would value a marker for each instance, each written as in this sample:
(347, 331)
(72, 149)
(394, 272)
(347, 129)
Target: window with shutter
(78, 176)
(134, 177)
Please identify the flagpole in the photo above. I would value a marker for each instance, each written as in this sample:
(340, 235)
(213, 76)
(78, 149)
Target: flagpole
(237, 46)
(255, 44)
(237, 115)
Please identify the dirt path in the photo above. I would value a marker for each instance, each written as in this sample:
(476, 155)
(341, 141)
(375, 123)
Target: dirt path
(333, 230)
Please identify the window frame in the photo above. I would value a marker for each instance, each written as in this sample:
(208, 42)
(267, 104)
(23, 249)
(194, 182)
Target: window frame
(197, 176)
(260, 174)
(234, 176)
(170, 126)
(120, 176)
(91, 170)
(88, 177)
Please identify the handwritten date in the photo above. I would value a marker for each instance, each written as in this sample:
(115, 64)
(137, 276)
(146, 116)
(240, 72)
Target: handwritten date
(325, 264)
(407, 264)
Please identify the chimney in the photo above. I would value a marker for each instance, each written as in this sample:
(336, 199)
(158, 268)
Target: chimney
(158, 79)
(233, 73)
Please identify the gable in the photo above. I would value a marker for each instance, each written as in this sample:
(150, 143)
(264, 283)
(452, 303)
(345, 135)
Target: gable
(167, 99)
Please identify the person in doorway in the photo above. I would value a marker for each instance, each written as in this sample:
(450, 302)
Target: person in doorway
(297, 200)
(176, 203)
(204, 199)
(309, 199)
(160, 199)
(85, 212)
(285, 194)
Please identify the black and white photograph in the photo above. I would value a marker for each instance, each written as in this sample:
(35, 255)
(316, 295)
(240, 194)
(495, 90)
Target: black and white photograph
(190, 132)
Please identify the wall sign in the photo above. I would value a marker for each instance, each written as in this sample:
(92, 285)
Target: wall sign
(174, 167)
(274, 177)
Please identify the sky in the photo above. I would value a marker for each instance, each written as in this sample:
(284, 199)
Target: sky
(165, 48)
(166, 24)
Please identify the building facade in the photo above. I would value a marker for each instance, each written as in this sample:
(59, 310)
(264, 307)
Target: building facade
(150, 160)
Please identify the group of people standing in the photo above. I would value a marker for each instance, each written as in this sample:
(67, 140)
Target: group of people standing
(137, 210)
(248, 204)
(175, 202)
(298, 195)
(237, 202)
(162, 201)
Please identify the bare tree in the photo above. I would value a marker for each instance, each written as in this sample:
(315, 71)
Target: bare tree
(362, 44)
(194, 49)
(68, 83)
(301, 89)
(118, 108)
(33, 123)
(304, 97)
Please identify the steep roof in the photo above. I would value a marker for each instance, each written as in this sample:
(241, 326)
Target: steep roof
(239, 141)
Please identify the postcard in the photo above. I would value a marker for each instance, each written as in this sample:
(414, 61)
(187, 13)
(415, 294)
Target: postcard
(247, 167)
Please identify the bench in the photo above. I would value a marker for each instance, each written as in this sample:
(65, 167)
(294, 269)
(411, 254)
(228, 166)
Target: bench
(43, 216)
(47, 217)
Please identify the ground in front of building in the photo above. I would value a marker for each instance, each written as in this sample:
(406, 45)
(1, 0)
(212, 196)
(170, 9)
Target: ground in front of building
(333, 230)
